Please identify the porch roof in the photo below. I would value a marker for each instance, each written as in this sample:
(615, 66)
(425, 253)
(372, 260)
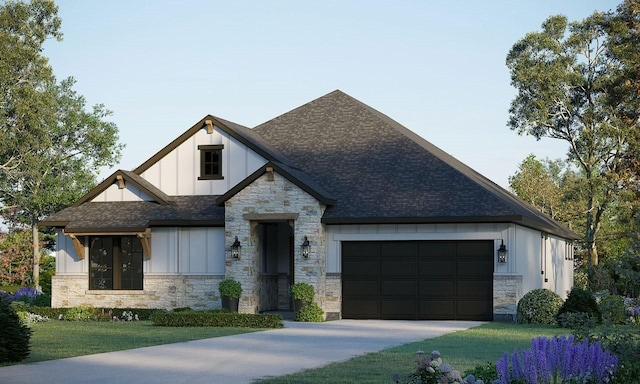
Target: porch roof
(135, 216)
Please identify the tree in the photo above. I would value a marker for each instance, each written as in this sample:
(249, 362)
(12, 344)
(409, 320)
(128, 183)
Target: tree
(536, 182)
(565, 76)
(52, 144)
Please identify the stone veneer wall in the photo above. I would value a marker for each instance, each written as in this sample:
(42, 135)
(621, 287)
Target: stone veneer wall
(195, 291)
(507, 291)
(276, 197)
(333, 296)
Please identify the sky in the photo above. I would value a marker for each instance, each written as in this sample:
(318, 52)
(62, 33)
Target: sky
(435, 66)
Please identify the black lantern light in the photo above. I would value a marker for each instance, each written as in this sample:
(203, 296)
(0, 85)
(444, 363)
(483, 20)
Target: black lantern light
(502, 253)
(235, 249)
(305, 248)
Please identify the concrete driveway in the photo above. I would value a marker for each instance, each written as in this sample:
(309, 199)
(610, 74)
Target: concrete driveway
(234, 359)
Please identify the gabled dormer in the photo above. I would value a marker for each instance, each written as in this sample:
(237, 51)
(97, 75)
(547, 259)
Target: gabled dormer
(209, 158)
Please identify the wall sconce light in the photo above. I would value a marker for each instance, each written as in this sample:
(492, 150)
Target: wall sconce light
(305, 248)
(235, 249)
(502, 253)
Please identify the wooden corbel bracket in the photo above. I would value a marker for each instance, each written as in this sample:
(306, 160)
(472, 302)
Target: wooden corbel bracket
(270, 175)
(145, 240)
(209, 125)
(120, 181)
(78, 245)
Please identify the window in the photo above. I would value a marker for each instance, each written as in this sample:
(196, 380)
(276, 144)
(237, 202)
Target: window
(116, 262)
(210, 162)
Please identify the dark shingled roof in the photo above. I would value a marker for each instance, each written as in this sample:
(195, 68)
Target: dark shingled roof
(366, 167)
(381, 172)
(135, 216)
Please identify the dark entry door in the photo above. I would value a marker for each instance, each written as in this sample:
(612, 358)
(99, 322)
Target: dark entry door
(417, 280)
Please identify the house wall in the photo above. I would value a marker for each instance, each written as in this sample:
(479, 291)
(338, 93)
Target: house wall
(177, 173)
(520, 274)
(185, 267)
(279, 197)
(128, 193)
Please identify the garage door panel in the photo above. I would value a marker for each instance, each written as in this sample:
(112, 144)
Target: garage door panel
(363, 268)
(477, 289)
(401, 268)
(361, 249)
(435, 309)
(398, 309)
(361, 288)
(398, 248)
(474, 248)
(474, 268)
(475, 310)
(398, 288)
(436, 249)
(361, 309)
(443, 280)
(437, 268)
(437, 288)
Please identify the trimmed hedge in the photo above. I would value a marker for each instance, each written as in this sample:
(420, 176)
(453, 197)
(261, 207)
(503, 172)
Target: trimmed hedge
(216, 318)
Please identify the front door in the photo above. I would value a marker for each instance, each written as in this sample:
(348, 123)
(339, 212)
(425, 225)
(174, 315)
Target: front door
(276, 265)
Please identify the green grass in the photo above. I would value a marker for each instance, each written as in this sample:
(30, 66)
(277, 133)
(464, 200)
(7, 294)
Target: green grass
(61, 339)
(463, 350)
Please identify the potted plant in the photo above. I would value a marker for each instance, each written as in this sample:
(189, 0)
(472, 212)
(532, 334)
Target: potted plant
(302, 294)
(230, 290)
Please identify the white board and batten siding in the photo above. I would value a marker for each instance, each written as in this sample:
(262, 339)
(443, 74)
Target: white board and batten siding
(128, 193)
(175, 251)
(525, 258)
(176, 174)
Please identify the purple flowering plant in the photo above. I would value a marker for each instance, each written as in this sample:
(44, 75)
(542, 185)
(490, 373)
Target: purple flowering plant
(557, 360)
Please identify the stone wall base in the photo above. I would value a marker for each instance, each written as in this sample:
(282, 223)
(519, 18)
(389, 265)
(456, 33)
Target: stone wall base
(167, 292)
(507, 291)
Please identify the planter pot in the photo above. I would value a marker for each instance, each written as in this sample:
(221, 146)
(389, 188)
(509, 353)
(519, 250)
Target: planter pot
(297, 304)
(230, 303)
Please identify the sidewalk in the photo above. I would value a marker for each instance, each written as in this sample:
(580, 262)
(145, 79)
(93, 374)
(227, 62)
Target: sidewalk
(240, 358)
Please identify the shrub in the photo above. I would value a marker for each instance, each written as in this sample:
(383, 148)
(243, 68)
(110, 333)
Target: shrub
(487, 373)
(624, 341)
(303, 292)
(557, 360)
(14, 335)
(311, 313)
(538, 306)
(626, 271)
(581, 280)
(580, 300)
(431, 370)
(612, 309)
(575, 320)
(230, 288)
(216, 318)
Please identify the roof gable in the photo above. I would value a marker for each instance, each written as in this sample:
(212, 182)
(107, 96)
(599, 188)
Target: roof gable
(296, 176)
(243, 134)
(123, 177)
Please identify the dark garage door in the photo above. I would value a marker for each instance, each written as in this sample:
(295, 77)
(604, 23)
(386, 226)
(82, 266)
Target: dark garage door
(417, 280)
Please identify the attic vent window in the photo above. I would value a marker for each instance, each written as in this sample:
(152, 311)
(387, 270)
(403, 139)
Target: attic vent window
(210, 162)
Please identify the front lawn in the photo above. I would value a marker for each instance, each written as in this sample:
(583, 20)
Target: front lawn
(59, 339)
(463, 350)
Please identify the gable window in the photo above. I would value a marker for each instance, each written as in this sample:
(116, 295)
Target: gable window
(115, 262)
(210, 162)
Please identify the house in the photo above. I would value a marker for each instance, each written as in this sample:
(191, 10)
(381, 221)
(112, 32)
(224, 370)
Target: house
(381, 222)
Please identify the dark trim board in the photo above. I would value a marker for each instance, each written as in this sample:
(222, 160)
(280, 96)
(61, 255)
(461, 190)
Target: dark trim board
(417, 280)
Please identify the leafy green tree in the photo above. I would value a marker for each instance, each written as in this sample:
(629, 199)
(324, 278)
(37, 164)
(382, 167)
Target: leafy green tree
(52, 145)
(565, 76)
